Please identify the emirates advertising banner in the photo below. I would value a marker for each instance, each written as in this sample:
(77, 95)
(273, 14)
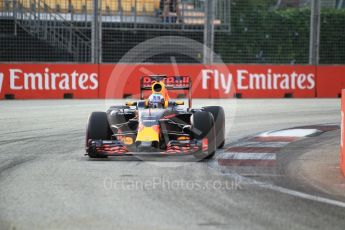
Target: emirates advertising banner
(53, 81)
(48, 81)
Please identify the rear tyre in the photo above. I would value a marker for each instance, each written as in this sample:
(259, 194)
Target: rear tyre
(97, 129)
(219, 121)
(203, 127)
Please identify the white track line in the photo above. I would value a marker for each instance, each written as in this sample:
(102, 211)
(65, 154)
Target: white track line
(260, 144)
(289, 191)
(290, 133)
(248, 156)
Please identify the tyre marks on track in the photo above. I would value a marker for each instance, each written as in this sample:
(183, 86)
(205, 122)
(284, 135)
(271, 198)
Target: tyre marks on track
(31, 137)
(15, 162)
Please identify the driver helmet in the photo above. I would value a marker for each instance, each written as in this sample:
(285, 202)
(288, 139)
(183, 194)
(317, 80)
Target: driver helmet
(156, 100)
(159, 95)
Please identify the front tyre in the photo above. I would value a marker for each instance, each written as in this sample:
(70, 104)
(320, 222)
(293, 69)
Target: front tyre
(97, 129)
(203, 127)
(219, 121)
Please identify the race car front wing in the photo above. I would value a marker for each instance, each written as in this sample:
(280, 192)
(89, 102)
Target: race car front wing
(174, 148)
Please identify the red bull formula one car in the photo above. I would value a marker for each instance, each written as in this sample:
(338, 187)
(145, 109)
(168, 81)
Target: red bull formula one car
(157, 126)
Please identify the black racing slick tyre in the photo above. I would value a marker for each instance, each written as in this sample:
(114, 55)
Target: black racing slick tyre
(203, 127)
(219, 121)
(97, 129)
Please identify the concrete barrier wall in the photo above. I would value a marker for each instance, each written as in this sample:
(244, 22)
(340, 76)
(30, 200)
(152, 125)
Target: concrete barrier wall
(48, 81)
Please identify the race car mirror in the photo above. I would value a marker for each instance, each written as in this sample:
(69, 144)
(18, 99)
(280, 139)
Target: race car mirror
(131, 103)
(179, 102)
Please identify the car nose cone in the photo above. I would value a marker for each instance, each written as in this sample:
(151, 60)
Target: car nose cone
(147, 146)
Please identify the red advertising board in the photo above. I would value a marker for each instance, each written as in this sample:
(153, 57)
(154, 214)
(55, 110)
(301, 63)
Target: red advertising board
(342, 145)
(217, 81)
(274, 81)
(48, 81)
(330, 80)
(45, 81)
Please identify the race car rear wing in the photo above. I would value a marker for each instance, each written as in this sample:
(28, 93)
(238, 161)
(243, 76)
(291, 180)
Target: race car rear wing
(171, 83)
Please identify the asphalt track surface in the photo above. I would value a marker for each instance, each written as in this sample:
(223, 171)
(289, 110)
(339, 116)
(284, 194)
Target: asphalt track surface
(47, 183)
